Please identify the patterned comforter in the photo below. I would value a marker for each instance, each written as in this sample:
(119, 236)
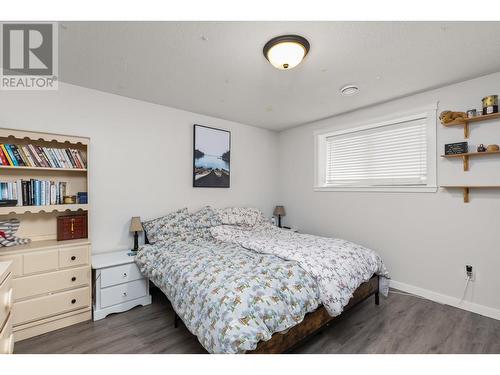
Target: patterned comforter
(229, 297)
(235, 279)
(338, 266)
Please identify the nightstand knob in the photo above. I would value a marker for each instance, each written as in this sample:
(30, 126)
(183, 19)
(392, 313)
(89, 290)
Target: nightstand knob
(73, 301)
(124, 294)
(73, 278)
(124, 274)
(73, 257)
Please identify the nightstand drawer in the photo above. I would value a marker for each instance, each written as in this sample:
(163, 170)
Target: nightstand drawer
(74, 256)
(51, 282)
(7, 338)
(42, 307)
(120, 274)
(123, 292)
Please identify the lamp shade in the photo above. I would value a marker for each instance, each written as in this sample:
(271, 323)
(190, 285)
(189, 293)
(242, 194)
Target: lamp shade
(135, 224)
(279, 211)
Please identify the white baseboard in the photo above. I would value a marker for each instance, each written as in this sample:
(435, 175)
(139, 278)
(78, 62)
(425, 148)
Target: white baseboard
(447, 300)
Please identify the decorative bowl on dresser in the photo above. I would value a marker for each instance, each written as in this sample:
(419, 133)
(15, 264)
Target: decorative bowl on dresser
(51, 280)
(6, 301)
(119, 285)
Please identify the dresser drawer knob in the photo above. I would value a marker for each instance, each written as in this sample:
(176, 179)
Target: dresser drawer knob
(124, 294)
(73, 257)
(124, 274)
(73, 278)
(73, 301)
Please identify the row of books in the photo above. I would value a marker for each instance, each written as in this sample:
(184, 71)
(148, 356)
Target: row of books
(39, 156)
(34, 192)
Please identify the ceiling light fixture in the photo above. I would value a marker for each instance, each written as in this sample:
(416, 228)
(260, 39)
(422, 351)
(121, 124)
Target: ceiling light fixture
(287, 51)
(349, 90)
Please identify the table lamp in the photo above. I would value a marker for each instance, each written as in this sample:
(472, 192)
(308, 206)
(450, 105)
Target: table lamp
(136, 227)
(279, 211)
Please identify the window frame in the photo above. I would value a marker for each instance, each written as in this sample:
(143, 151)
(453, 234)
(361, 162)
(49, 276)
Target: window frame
(320, 155)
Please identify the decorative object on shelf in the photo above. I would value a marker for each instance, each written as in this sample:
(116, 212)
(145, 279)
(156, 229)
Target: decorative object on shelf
(455, 148)
(135, 227)
(211, 157)
(279, 211)
(479, 112)
(471, 113)
(8, 229)
(69, 199)
(490, 104)
(82, 197)
(450, 116)
(493, 148)
(481, 148)
(72, 227)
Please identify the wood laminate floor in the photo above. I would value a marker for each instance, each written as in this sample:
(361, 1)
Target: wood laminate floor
(400, 324)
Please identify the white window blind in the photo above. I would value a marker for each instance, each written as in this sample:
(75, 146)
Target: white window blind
(390, 155)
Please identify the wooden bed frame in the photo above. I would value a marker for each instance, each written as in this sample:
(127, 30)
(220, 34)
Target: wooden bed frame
(312, 323)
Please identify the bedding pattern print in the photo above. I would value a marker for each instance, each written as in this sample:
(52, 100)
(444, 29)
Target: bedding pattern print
(338, 266)
(229, 297)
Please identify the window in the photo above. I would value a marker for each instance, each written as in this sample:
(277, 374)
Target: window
(396, 155)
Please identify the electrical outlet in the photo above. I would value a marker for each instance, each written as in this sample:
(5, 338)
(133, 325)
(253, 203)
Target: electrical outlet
(469, 272)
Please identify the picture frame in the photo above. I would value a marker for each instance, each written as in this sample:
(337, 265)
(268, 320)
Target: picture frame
(211, 157)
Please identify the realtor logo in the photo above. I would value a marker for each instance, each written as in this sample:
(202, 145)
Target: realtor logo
(29, 56)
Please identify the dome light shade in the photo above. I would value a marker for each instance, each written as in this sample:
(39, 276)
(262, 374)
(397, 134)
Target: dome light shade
(287, 51)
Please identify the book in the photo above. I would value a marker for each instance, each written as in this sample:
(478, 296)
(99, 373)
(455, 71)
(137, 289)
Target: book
(3, 157)
(17, 155)
(6, 153)
(12, 158)
(43, 157)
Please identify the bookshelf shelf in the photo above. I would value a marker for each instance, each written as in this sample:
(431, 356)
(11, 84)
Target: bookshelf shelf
(43, 168)
(47, 208)
(466, 189)
(465, 123)
(467, 155)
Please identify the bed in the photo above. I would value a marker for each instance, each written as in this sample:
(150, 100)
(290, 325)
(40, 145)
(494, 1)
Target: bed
(242, 285)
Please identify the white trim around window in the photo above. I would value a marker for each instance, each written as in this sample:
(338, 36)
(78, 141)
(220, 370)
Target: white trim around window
(367, 161)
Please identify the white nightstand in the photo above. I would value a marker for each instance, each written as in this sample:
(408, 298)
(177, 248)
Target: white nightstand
(119, 285)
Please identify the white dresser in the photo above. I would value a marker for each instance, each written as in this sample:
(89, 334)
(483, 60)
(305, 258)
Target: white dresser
(6, 301)
(51, 283)
(119, 285)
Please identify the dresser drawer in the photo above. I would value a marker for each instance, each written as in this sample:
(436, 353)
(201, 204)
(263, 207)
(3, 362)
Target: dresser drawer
(74, 256)
(123, 293)
(6, 299)
(42, 307)
(120, 274)
(30, 286)
(7, 338)
(17, 263)
(40, 261)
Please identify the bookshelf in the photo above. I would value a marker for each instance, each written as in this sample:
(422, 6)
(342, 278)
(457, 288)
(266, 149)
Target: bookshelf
(39, 222)
(52, 279)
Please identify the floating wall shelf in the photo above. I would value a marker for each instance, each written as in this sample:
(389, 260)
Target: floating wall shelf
(466, 156)
(466, 189)
(465, 123)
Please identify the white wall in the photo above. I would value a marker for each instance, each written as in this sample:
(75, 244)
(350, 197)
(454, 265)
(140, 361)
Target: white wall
(425, 238)
(141, 156)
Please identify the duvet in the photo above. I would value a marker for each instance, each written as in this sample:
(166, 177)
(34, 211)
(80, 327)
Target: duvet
(338, 266)
(235, 279)
(229, 297)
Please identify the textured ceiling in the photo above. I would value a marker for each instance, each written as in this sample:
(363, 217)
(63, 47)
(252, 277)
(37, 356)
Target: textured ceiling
(218, 69)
